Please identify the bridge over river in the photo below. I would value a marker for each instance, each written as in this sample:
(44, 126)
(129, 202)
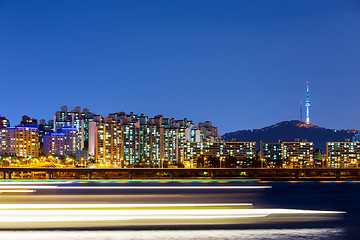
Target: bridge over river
(295, 173)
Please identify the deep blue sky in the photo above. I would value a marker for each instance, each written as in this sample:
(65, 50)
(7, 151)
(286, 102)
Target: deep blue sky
(240, 64)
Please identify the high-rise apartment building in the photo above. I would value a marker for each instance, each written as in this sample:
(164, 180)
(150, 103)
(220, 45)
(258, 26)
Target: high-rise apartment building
(4, 122)
(20, 141)
(209, 132)
(356, 138)
(44, 129)
(141, 140)
(108, 147)
(9, 134)
(27, 141)
(3, 141)
(171, 152)
(150, 147)
(62, 143)
(75, 119)
(28, 122)
(131, 154)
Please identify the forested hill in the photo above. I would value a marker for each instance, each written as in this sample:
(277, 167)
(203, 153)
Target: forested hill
(288, 131)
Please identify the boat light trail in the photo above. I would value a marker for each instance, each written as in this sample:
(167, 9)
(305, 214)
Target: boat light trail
(132, 187)
(32, 183)
(8, 216)
(17, 191)
(64, 206)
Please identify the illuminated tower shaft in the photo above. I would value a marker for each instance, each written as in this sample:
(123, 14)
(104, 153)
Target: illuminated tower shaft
(307, 104)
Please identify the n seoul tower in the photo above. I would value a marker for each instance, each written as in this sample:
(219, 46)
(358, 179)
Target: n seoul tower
(307, 104)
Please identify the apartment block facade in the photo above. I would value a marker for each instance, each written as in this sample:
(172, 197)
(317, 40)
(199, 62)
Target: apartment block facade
(62, 143)
(343, 154)
(128, 140)
(240, 150)
(271, 154)
(298, 154)
(20, 141)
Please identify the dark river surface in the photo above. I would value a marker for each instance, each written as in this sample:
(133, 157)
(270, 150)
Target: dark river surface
(35, 217)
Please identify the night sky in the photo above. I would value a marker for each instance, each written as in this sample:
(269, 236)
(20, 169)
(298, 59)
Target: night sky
(239, 64)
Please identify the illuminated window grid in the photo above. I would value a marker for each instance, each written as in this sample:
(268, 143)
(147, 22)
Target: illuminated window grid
(343, 154)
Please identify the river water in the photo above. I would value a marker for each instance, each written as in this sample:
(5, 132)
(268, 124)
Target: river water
(325, 196)
(324, 233)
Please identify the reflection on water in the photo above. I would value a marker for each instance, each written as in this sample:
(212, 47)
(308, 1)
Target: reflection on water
(324, 233)
(91, 198)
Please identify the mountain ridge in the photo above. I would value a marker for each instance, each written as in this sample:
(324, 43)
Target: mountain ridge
(288, 131)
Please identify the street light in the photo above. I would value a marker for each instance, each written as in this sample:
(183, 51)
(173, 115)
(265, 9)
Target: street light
(222, 160)
(262, 162)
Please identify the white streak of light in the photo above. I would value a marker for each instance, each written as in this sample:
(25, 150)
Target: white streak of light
(64, 206)
(136, 187)
(89, 215)
(32, 183)
(68, 219)
(17, 191)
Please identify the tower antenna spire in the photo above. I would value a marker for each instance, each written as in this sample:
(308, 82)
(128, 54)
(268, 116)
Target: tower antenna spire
(307, 104)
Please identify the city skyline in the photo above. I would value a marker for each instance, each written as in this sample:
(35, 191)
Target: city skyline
(307, 112)
(82, 138)
(179, 119)
(241, 65)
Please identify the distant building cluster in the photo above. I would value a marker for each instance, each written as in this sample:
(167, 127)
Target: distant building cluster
(301, 154)
(343, 154)
(242, 151)
(128, 140)
(123, 140)
(297, 154)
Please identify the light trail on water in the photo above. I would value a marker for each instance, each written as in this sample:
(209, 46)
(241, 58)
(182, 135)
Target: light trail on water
(64, 206)
(132, 187)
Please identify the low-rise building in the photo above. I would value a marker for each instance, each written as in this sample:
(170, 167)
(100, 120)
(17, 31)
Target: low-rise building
(239, 150)
(271, 154)
(343, 154)
(297, 154)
